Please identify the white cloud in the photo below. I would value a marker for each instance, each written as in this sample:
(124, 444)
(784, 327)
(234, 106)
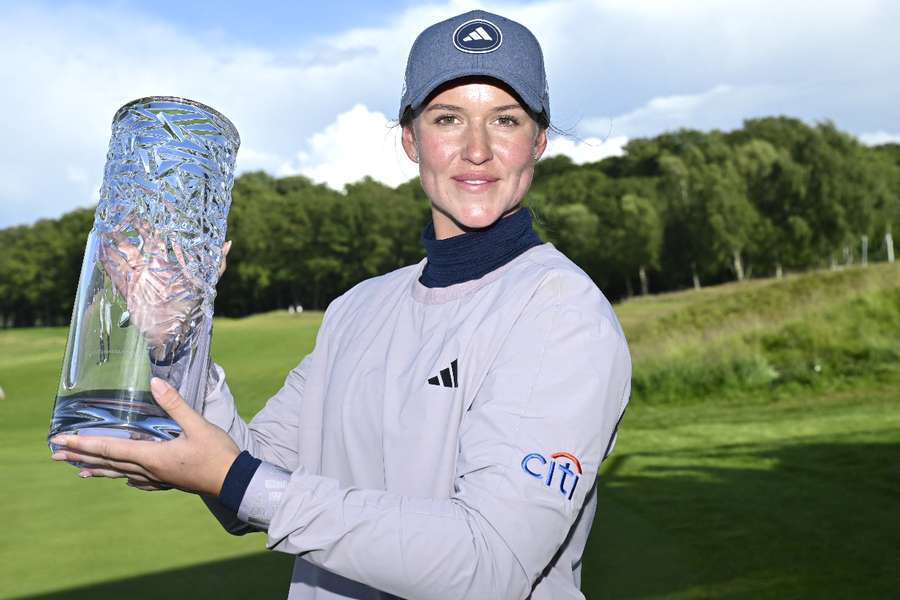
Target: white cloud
(647, 65)
(722, 107)
(359, 142)
(587, 150)
(876, 138)
(68, 70)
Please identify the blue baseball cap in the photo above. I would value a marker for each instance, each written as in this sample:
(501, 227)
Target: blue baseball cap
(476, 43)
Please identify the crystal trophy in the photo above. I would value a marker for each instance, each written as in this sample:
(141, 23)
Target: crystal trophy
(144, 302)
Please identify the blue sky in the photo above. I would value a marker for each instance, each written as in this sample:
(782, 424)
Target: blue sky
(266, 23)
(313, 87)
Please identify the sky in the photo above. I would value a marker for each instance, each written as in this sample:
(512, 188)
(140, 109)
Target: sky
(313, 88)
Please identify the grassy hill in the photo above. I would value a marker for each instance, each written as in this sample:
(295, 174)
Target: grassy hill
(814, 331)
(760, 457)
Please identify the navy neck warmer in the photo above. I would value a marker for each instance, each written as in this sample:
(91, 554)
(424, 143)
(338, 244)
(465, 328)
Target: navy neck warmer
(474, 254)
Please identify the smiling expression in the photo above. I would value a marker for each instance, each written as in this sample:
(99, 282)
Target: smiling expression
(476, 147)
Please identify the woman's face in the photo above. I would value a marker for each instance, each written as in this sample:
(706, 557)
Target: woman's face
(476, 147)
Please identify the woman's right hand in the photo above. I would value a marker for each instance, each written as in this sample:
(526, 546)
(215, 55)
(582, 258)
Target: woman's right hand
(160, 296)
(225, 248)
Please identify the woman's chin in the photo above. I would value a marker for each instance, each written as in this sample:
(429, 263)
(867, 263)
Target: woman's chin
(478, 220)
(477, 223)
(462, 221)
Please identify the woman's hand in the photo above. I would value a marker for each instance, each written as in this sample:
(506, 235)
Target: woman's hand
(161, 296)
(225, 249)
(197, 461)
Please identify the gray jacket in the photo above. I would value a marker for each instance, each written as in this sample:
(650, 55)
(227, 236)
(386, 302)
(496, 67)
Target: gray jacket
(440, 443)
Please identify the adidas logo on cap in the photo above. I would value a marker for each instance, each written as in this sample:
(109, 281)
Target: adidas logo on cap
(478, 34)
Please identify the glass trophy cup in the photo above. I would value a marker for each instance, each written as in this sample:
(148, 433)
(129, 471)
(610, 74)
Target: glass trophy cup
(144, 302)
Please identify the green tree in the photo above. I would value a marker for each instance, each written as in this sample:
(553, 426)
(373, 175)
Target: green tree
(638, 238)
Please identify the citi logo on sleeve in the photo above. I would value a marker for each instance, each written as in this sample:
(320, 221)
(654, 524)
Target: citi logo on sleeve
(447, 377)
(477, 37)
(558, 468)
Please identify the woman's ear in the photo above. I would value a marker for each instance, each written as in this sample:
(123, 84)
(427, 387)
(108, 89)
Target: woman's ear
(540, 143)
(408, 139)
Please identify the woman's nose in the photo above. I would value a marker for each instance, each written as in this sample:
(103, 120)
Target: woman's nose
(477, 149)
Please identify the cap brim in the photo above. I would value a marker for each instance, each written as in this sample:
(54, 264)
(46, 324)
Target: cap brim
(528, 96)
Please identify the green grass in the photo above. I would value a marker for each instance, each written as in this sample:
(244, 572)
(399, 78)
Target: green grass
(740, 471)
(120, 532)
(793, 499)
(812, 332)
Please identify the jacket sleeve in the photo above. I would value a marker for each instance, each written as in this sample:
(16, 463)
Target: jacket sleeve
(272, 434)
(529, 451)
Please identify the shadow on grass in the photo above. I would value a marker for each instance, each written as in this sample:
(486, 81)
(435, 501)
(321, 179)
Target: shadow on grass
(256, 576)
(801, 521)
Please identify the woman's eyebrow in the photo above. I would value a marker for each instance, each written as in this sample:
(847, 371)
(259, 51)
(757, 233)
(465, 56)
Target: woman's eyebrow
(452, 107)
(443, 107)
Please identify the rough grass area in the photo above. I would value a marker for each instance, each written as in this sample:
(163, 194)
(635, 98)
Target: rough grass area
(742, 470)
(774, 338)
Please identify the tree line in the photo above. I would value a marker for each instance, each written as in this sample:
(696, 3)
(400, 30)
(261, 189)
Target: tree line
(679, 209)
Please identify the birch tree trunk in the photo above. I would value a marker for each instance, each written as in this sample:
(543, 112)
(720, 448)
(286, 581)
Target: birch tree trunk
(738, 265)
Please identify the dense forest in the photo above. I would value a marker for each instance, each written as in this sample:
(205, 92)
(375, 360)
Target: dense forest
(684, 208)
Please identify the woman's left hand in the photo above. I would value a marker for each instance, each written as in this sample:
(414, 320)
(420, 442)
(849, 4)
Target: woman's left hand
(196, 461)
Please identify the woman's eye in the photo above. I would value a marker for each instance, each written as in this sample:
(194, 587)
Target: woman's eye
(507, 120)
(445, 120)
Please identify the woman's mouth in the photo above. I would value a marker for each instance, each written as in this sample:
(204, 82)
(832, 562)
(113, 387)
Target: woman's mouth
(475, 183)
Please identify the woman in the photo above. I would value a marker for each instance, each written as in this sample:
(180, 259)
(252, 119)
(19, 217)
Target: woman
(443, 437)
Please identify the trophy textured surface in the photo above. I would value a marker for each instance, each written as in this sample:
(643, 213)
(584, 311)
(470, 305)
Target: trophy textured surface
(145, 297)
(169, 170)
